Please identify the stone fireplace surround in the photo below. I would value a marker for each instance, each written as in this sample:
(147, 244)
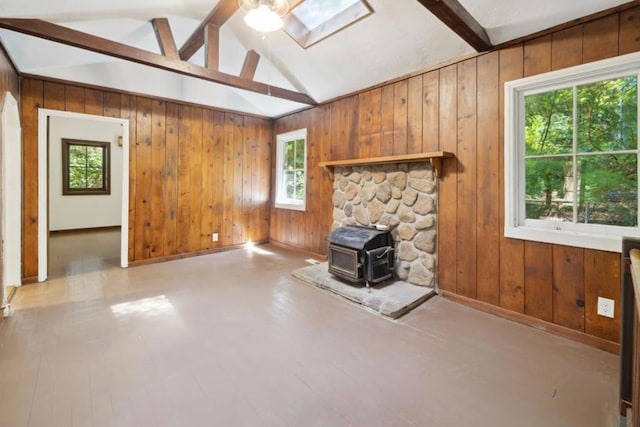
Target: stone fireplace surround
(402, 196)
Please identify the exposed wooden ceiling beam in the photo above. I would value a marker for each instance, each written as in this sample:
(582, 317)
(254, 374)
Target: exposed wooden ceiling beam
(218, 16)
(250, 65)
(70, 37)
(212, 46)
(456, 17)
(165, 37)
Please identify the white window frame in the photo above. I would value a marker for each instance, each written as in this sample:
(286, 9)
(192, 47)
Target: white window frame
(602, 237)
(281, 201)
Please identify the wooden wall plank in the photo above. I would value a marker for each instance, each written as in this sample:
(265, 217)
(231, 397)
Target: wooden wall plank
(414, 115)
(217, 178)
(195, 180)
(600, 39)
(228, 194)
(111, 103)
(538, 280)
(238, 192)
(169, 238)
(568, 287)
(143, 174)
(54, 96)
(375, 130)
(511, 250)
(386, 121)
(207, 165)
(430, 111)
(537, 56)
(158, 178)
(93, 102)
(488, 182)
(184, 179)
(466, 251)
(74, 100)
(128, 111)
(365, 120)
(31, 100)
(602, 279)
(400, 117)
(447, 191)
(248, 165)
(566, 48)
(629, 34)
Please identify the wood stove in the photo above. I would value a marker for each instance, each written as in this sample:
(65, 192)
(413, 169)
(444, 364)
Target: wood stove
(361, 254)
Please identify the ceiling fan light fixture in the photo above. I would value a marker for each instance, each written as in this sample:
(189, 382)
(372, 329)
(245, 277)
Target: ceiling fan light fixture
(264, 15)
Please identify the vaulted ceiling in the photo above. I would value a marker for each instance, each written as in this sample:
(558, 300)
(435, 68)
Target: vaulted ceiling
(401, 37)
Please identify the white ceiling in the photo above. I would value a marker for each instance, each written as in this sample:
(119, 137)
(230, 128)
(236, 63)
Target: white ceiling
(400, 38)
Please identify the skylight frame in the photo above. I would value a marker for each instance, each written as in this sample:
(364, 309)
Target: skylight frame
(306, 37)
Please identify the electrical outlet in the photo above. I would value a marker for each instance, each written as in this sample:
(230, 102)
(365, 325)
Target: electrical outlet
(214, 237)
(605, 307)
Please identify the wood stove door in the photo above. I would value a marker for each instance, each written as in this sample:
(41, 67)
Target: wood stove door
(344, 262)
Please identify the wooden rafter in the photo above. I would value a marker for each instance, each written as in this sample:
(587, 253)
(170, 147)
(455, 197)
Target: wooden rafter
(165, 37)
(70, 37)
(218, 16)
(212, 46)
(456, 17)
(250, 65)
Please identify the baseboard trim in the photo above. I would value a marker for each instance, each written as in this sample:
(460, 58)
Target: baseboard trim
(562, 331)
(305, 252)
(29, 280)
(190, 254)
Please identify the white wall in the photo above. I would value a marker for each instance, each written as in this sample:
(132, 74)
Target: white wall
(72, 212)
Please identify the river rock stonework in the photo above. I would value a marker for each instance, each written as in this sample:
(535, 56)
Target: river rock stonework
(401, 196)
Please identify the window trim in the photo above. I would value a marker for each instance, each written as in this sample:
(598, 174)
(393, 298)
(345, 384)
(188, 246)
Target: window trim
(593, 236)
(106, 168)
(281, 202)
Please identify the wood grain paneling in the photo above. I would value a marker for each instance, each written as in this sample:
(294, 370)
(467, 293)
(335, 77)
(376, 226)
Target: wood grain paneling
(511, 250)
(31, 100)
(447, 191)
(461, 111)
(176, 166)
(568, 287)
(466, 233)
(488, 180)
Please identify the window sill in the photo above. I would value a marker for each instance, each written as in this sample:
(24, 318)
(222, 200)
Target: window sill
(603, 242)
(290, 206)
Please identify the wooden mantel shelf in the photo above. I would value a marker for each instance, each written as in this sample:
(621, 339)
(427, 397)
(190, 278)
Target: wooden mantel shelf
(434, 157)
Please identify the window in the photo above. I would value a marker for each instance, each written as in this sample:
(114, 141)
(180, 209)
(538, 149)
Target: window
(291, 167)
(85, 167)
(315, 20)
(571, 155)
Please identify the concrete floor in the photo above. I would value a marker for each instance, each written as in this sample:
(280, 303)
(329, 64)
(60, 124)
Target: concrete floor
(231, 339)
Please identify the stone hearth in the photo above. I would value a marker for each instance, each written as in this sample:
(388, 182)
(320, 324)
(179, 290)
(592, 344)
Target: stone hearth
(402, 196)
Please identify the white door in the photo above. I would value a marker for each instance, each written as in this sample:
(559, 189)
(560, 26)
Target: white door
(11, 165)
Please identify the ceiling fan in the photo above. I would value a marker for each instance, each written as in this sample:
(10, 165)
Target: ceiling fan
(264, 15)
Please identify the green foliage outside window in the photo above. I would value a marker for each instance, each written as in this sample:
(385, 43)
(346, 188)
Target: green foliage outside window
(85, 167)
(588, 174)
(294, 154)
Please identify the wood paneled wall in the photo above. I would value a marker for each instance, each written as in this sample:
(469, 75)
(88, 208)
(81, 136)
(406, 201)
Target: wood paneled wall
(193, 171)
(9, 80)
(459, 108)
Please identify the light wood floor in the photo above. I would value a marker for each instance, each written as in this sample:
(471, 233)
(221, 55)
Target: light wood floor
(231, 339)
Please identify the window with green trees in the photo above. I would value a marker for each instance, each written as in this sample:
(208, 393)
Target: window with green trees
(85, 167)
(571, 152)
(291, 170)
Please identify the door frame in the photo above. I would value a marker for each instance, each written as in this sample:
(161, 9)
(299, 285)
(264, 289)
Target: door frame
(43, 184)
(11, 233)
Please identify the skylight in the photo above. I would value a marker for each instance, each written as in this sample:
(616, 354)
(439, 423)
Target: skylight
(312, 13)
(315, 20)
